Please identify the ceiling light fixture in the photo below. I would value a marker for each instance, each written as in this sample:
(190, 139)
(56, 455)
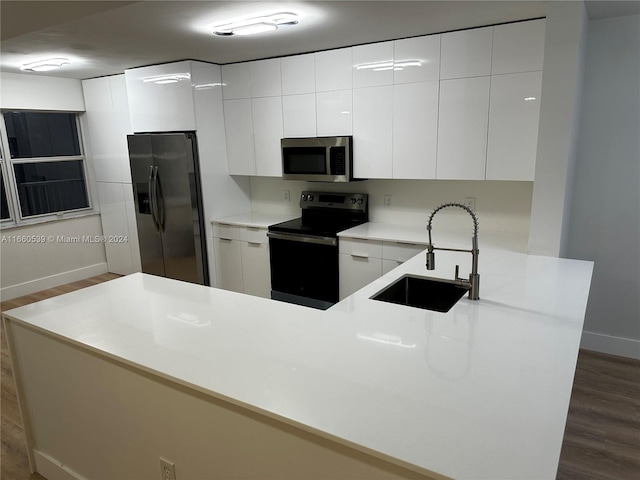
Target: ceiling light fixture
(45, 65)
(250, 26)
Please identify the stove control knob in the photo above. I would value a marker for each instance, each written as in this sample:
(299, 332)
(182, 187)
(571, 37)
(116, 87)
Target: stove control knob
(353, 200)
(310, 197)
(305, 197)
(360, 201)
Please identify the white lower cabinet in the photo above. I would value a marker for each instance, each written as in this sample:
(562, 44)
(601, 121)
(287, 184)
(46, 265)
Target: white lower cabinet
(228, 254)
(256, 271)
(363, 261)
(242, 259)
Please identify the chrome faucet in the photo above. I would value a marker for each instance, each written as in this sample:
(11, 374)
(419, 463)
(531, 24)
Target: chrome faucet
(474, 278)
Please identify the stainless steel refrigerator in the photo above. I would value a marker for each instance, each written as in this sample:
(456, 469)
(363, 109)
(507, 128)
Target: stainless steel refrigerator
(168, 201)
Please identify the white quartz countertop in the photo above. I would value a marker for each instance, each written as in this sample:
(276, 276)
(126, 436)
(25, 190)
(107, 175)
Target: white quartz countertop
(452, 238)
(254, 219)
(480, 392)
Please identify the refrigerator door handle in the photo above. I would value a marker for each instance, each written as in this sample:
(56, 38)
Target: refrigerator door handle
(159, 199)
(152, 198)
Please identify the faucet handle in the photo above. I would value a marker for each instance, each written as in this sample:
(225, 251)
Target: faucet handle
(456, 277)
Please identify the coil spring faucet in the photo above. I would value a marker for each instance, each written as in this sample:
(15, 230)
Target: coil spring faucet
(474, 278)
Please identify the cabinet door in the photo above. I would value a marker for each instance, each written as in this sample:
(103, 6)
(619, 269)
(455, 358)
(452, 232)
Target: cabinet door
(334, 70)
(415, 130)
(513, 126)
(518, 47)
(238, 124)
(298, 74)
(256, 271)
(229, 264)
(161, 107)
(373, 65)
(299, 115)
(333, 113)
(266, 79)
(267, 132)
(356, 272)
(462, 129)
(236, 79)
(466, 53)
(417, 59)
(372, 132)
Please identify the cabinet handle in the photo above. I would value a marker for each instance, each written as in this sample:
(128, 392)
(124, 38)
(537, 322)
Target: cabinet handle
(254, 229)
(226, 239)
(254, 244)
(360, 255)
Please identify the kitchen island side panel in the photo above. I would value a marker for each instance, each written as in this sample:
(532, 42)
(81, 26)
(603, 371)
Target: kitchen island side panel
(99, 418)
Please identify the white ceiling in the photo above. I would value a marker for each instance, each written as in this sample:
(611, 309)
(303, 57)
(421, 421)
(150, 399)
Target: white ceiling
(106, 37)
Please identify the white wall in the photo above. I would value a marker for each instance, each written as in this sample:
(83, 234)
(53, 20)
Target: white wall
(605, 207)
(61, 257)
(27, 268)
(37, 92)
(565, 36)
(501, 206)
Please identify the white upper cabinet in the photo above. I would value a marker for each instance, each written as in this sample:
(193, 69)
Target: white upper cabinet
(266, 79)
(373, 65)
(466, 53)
(238, 124)
(417, 59)
(518, 47)
(462, 128)
(267, 132)
(334, 70)
(299, 112)
(298, 74)
(158, 106)
(236, 79)
(513, 126)
(372, 131)
(415, 130)
(333, 113)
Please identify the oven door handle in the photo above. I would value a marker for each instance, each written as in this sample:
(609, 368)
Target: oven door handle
(303, 238)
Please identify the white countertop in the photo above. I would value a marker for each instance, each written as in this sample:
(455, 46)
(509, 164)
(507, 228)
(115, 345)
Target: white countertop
(480, 392)
(253, 219)
(452, 238)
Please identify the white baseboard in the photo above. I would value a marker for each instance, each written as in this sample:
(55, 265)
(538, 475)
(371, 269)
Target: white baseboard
(51, 469)
(32, 286)
(599, 342)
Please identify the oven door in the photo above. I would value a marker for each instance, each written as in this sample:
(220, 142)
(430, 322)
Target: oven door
(304, 269)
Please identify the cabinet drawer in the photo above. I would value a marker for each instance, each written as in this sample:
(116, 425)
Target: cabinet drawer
(360, 248)
(400, 251)
(254, 235)
(224, 230)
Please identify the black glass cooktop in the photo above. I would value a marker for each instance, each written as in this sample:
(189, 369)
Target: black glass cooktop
(316, 227)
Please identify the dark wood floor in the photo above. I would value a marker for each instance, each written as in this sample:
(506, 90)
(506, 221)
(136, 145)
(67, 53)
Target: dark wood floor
(601, 440)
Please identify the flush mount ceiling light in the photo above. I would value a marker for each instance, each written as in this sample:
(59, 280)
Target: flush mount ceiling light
(45, 65)
(250, 26)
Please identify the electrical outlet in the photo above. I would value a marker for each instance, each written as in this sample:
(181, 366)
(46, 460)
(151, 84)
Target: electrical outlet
(471, 203)
(167, 470)
(387, 200)
(287, 196)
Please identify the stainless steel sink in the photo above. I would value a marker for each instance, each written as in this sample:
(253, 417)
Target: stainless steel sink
(422, 292)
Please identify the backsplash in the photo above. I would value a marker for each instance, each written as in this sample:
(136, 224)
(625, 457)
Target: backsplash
(500, 205)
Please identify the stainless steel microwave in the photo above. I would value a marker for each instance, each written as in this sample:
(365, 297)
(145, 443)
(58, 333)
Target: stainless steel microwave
(318, 159)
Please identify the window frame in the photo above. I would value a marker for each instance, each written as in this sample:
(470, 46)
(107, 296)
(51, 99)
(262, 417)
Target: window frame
(17, 219)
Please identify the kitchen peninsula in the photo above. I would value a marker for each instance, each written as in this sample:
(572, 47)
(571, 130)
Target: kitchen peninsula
(227, 385)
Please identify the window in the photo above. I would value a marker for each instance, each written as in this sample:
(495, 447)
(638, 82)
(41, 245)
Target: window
(4, 204)
(46, 165)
